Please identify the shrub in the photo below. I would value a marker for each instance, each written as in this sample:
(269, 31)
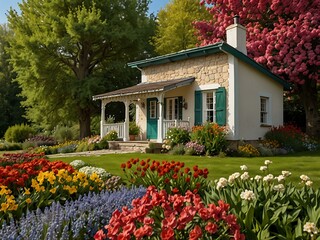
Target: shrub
(63, 134)
(18, 133)
(111, 136)
(289, 137)
(158, 215)
(177, 150)
(212, 136)
(6, 146)
(103, 144)
(172, 176)
(177, 136)
(78, 219)
(248, 150)
(267, 206)
(134, 129)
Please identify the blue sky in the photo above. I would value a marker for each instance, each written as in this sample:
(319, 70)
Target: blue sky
(5, 5)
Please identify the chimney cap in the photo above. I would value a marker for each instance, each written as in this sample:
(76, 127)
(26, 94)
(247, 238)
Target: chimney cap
(236, 19)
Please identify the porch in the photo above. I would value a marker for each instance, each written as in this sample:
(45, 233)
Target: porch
(120, 127)
(159, 107)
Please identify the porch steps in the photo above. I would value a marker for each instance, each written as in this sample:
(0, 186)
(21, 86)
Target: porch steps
(138, 146)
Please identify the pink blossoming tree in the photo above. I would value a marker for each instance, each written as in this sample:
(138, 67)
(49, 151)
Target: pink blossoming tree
(282, 35)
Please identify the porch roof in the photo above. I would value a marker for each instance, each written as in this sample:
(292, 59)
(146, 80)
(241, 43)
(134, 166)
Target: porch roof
(147, 87)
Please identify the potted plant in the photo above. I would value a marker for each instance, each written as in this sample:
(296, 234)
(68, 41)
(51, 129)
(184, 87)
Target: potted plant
(134, 130)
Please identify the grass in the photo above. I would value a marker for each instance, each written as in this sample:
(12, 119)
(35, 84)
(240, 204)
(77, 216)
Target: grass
(307, 163)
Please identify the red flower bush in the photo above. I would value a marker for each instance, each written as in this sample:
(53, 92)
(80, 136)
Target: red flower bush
(172, 176)
(20, 175)
(160, 215)
(12, 158)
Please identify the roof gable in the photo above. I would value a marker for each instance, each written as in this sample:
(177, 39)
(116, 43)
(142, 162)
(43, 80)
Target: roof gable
(205, 51)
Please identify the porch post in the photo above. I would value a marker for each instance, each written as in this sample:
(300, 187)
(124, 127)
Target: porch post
(160, 120)
(126, 122)
(103, 117)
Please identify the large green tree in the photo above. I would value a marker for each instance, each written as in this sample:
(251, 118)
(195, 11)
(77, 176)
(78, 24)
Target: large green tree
(64, 52)
(11, 111)
(175, 30)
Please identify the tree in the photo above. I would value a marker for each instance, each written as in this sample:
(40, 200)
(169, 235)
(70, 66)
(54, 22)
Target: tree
(64, 52)
(175, 31)
(11, 111)
(283, 36)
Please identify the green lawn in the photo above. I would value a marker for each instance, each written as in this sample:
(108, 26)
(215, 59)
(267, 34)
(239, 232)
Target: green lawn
(307, 163)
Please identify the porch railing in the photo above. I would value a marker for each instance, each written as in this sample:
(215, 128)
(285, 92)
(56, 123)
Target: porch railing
(118, 127)
(174, 123)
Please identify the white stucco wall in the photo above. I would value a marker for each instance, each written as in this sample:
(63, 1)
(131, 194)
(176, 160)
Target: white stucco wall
(251, 86)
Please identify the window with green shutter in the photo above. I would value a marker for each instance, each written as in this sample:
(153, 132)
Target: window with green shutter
(197, 108)
(221, 106)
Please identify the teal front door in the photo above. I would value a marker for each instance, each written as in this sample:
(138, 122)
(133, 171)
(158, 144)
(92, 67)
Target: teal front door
(152, 118)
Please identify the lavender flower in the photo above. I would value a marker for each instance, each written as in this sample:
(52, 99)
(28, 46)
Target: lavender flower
(79, 219)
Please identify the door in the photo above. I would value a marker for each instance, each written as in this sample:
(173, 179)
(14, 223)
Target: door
(152, 118)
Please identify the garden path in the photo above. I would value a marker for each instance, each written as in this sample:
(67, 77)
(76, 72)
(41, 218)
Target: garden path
(91, 153)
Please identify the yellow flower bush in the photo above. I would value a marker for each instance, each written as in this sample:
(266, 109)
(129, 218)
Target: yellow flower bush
(46, 187)
(248, 150)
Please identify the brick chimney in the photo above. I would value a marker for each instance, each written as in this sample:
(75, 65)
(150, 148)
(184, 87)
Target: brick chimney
(236, 35)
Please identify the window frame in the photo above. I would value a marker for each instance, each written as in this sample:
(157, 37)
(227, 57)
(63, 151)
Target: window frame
(264, 111)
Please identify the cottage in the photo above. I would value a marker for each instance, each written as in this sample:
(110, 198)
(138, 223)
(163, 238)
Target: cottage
(217, 83)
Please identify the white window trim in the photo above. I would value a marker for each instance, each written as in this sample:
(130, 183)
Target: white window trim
(204, 104)
(207, 87)
(268, 98)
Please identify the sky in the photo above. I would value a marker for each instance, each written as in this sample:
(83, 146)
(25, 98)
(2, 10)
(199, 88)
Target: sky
(5, 5)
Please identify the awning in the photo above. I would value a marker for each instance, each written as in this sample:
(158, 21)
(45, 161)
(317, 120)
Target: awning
(145, 88)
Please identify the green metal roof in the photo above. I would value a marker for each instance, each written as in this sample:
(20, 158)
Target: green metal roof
(205, 51)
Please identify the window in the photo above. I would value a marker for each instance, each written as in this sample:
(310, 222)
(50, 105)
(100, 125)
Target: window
(264, 110)
(172, 108)
(209, 106)
(153, 109)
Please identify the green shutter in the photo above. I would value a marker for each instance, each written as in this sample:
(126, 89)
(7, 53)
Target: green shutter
(221, 106)
(197, 108)
(180, 108)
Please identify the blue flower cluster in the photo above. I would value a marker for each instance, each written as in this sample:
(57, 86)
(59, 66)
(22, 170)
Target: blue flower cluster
(79, 219)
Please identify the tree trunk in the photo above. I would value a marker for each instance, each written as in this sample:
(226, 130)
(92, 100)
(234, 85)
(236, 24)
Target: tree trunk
(85, 122)
(309, 96)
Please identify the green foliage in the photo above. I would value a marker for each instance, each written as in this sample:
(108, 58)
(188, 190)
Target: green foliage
(178, 150)
(63, 134)
(269, 207)
(66, 52)
(6, 146)
(103, 144)
(11, 110)
(177, 136)
(111, 136)
(134, 129)
(18, 133)
(175, 30)
(210, 135)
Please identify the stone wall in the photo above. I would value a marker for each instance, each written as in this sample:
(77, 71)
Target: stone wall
(206, 70)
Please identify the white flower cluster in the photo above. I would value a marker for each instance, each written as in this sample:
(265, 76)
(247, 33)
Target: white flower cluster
(233, 177)
(279, 188)
(311, 228)
(222, 183)
(268, 178)
(244, 167)
(245, 176)
(306, 180)
(248, 195)
(77, 164)
(103, 174)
